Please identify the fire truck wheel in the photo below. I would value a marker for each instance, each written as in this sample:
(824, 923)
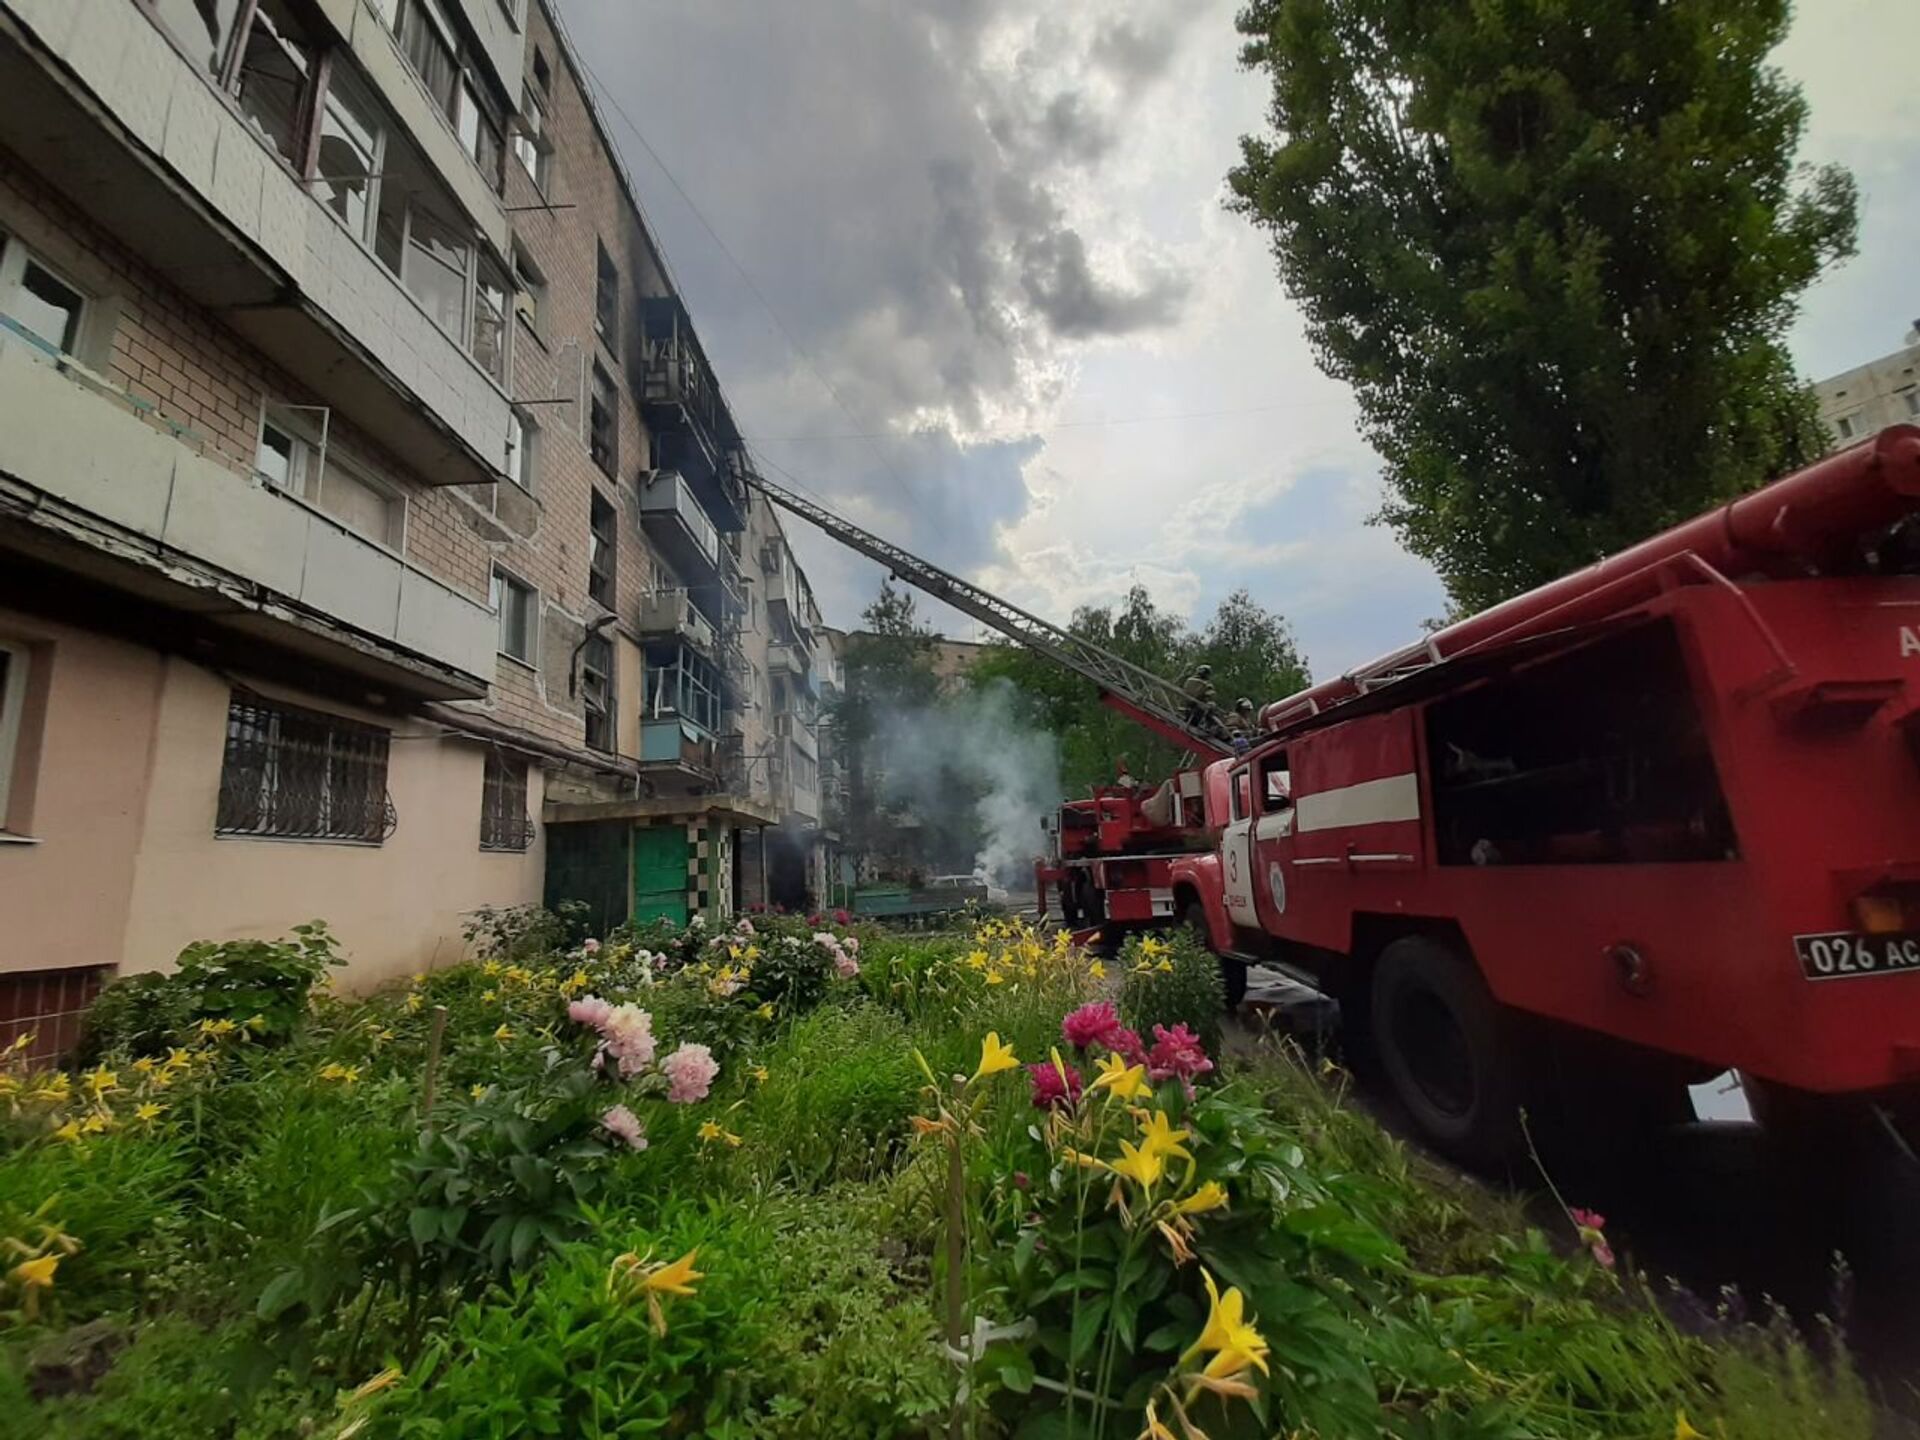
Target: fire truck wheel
(1437, 1031)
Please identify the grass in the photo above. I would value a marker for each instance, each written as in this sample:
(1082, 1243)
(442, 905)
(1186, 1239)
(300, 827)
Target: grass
(265, 1262)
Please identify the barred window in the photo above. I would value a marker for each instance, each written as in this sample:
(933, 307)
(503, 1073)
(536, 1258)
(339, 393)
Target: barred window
(302, 775)
(504, 823)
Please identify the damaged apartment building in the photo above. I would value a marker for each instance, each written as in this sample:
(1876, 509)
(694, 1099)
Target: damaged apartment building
(374, 536)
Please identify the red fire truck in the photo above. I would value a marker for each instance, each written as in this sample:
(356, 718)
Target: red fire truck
(1657, 819)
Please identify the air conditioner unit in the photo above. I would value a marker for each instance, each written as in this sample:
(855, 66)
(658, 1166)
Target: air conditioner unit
(525, 307)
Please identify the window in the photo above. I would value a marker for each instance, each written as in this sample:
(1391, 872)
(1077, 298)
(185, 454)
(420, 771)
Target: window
(596, 691)
(1276, 783)
(352, 143)
(530, 143)
(1242, 795)
(518, 606)
(438, 260)
(480, 133)
(200, 27)
(1911, 397)
(1851, 427)
(521, 443)
(38, 301)
(276, 66)
(504, 824)
(542, 73)
(302, 775)
(602, 549)
(529, 291)
(490, 320)
(426, 37)
(606, 298)
(13, 702)
(294, 456)
(603, 424)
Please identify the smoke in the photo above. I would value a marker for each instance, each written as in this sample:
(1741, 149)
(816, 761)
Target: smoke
(972, 747)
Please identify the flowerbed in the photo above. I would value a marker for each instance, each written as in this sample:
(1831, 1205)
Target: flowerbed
(784, 1179)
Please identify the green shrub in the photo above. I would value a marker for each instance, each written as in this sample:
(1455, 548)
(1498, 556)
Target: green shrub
(1171, 980)
(522, 934)
(137, 1015)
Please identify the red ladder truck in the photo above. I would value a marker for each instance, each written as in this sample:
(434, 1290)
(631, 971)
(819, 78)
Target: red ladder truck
(1664, 812)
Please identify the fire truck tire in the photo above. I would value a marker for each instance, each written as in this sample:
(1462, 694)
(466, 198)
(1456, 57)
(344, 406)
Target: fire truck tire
(1438, 1033)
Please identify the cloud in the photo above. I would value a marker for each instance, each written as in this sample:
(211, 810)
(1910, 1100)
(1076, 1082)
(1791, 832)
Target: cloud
(994, 228)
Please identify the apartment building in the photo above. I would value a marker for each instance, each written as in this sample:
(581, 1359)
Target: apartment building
(374, 536)
(1866, 399)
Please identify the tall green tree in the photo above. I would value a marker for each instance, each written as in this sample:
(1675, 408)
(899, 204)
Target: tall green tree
(1553, 245)
(1250, 648)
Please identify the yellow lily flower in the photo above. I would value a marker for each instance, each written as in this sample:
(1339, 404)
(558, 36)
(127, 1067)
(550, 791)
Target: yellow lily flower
(478, 1092)
(1121, 1080)
(1228, 1334)
(22, 1041)
(256, 1023)
(1158, 1137)
(1682, 1430)
(218, 1029)
(1097, 969)
(147, 1111)
(765, 1012)
(144, 1065)
(1210, 1196)
(102, 1081)
(977, 960)
(994, 977)
(709, 1130)
(69, 1133)
(487, 997)
(504, 1033)
(95, 1124)
(385, 1380)
(654, 1280)
(1165, 967)
(1155, 1430)
(1153, 949)
(35, 1274)
(491, 968)
(759, 1073)
(994, 1057)
(414, 1002)
(1141, 1165)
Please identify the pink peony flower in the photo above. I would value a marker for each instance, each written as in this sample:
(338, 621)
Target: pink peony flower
(590, 946)
(623, 1124)
(1592, 1227)
(841, 917)
(689, 1071)
(1091, 1024)
(628, 1031)
(1054, 1088)
(745, 927)
(850, 943)
(845, 966)
(589, 1010)
(1176, 1052)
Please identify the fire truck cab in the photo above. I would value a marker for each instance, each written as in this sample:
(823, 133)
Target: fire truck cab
(1672, 805)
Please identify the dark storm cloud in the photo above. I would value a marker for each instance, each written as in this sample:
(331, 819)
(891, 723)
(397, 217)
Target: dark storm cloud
(895, 177)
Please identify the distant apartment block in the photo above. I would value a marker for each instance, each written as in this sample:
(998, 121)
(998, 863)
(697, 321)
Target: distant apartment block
(375, 540)
(1870, 397)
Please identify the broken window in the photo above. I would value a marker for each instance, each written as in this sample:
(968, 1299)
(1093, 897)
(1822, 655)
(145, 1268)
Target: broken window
(596, 691)
(602, 549)
(1591, 756)
(603, 424)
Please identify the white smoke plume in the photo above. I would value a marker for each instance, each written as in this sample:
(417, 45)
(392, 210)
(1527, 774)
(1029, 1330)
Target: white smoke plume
(974, 746)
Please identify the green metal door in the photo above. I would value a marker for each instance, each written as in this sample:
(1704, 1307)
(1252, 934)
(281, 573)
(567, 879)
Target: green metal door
(660, 873)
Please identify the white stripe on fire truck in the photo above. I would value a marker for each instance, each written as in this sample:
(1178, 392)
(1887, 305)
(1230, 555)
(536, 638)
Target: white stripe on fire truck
(1371, 802)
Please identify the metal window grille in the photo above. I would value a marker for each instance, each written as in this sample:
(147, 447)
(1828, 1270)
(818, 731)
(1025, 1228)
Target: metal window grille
(504, 824)
(49, 1005)
(301, 775)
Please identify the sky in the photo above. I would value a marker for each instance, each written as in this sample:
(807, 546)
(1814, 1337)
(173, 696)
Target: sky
(965, 273)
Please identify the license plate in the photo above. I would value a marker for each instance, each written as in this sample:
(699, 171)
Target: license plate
(1842, 955)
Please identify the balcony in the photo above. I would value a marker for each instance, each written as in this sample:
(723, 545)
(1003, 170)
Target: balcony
(790, 660)
(674, 521)
(682, 403)
(134, 504)
(671, 614)
(140, 140)
(789, 600)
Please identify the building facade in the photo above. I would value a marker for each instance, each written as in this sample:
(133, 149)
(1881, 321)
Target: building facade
(1868, 398)
(375, 541)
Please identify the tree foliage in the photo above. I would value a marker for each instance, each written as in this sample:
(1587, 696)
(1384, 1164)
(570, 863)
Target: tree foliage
(1250, 649)
(1553, 245)
(888, 667)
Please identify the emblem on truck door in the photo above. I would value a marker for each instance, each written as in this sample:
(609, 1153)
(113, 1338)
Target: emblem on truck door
(1277, 885)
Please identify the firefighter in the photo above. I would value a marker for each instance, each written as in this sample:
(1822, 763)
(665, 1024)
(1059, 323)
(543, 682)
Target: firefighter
(1198, 688)
(1240, 725)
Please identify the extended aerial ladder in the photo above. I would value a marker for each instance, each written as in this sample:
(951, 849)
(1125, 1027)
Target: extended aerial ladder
(1151, 700)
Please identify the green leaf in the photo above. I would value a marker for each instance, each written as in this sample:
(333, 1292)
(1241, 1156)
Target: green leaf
(1088, 1319)
(281, 1294)
(423, 1224)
